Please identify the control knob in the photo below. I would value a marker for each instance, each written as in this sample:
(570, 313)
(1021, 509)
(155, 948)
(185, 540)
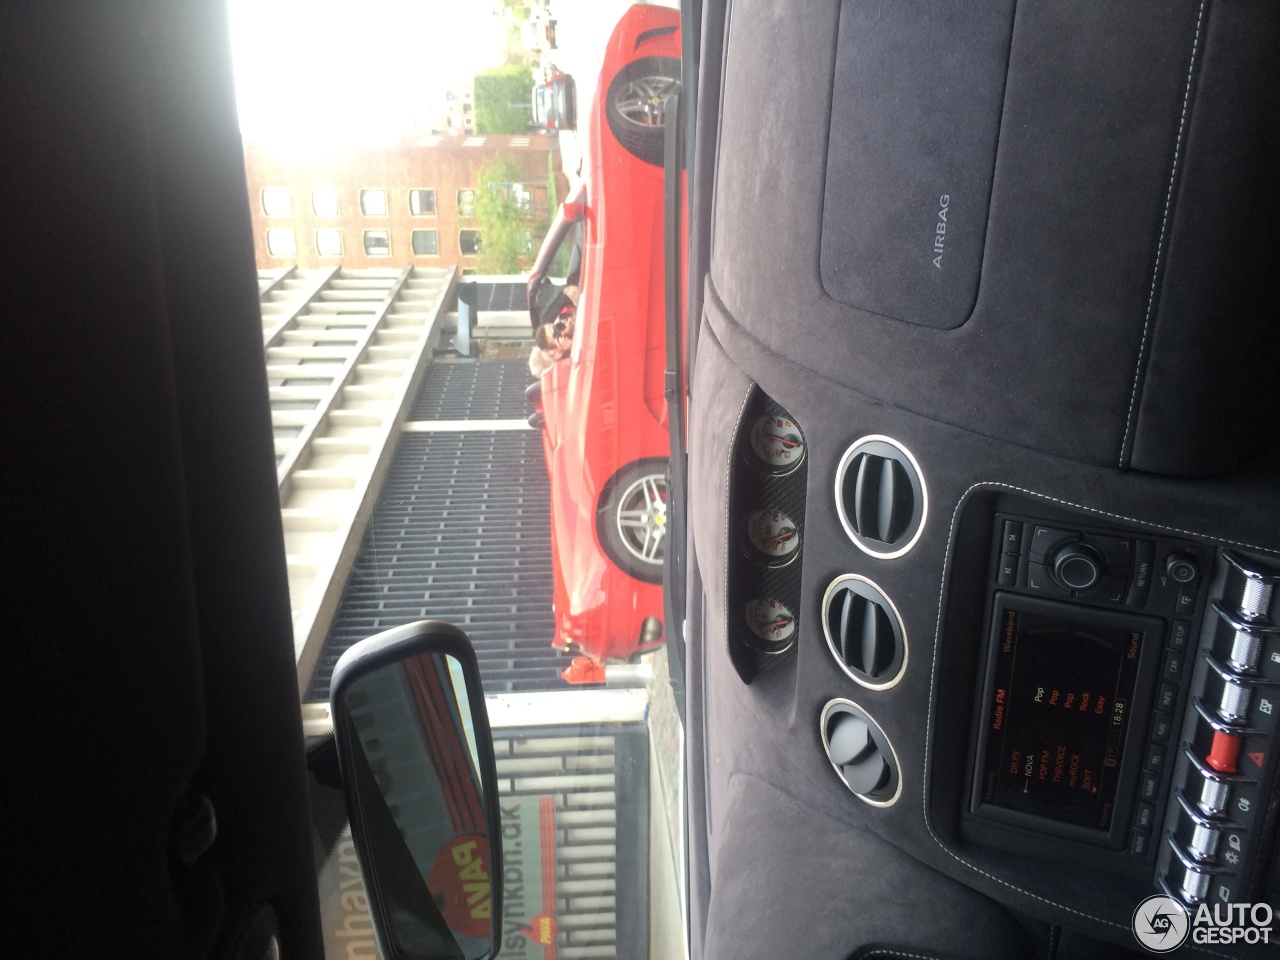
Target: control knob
(1182, 567)
(1078, 566)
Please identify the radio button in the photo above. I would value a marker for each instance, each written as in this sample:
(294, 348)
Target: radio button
(1038, 579)
(1186, 601)
(1140, 843)
(1145, 818)
(1174, 665)
(1167, 697)
(1115, 589)
(1179, 635)
(1119, 553)
(1155, 758)
(1011, 540)
(1007, 575)
(1150, 787)
(1143, 568)
(1045, 538)
(1161, 727)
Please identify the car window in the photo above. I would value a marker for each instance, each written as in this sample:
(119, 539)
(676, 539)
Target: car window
(563, 254)
(435, 459)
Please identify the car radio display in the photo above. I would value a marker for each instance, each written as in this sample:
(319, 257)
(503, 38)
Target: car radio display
(1057, 711)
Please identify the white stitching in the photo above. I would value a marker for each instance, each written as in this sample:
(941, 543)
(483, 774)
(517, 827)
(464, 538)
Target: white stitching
(1164, 221)
(933, 679)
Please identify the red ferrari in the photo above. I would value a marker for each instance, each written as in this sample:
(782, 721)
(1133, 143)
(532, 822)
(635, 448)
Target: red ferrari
(603, 409)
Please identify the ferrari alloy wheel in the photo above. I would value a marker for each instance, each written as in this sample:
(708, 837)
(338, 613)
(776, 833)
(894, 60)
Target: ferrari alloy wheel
(632, 518)
(636, 105)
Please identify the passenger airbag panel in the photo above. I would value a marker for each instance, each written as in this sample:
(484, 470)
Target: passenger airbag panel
(915, 118)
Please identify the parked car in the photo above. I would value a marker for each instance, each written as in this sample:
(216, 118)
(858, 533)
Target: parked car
(555, 102)
(604, 413)
(538, 33)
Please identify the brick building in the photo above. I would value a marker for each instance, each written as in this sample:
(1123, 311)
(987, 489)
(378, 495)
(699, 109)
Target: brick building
(385, 206)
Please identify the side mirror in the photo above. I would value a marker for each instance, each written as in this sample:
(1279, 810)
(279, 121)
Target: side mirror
(575, 207)
(421, 786)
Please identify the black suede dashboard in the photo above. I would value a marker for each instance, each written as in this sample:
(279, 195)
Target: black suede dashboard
(1124, 311)
(1096, 346)
(768, 730)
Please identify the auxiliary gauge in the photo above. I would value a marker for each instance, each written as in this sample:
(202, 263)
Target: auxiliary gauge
(772, 534)
(770, 621)
(777, 442)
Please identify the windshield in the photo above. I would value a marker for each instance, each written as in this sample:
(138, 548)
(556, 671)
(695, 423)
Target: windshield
(468, 394)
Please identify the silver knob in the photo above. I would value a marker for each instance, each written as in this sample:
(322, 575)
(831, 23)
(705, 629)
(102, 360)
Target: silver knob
(1235, 702)
(1195, 885)
(1245, 648)
(1204, 842)
(1213, 797)
(1257, 599)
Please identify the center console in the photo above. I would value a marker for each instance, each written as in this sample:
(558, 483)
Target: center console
(1124, 712)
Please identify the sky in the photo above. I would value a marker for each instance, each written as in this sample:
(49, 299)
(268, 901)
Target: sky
(334, 73)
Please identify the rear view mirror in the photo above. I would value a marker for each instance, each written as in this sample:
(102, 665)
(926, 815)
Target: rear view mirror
(418, 771)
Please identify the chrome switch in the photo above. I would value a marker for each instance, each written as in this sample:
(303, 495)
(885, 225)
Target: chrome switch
(1213, 797)
(1203, 845)
(1195, 884)
(1234, 706)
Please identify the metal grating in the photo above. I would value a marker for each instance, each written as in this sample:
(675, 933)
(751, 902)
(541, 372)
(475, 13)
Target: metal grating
(474, 390)
(460, 533)
(598, 779)
(501, 296)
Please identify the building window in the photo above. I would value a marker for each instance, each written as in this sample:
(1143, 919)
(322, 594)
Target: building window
(422, 203)
(329, 242)
(276, 202)
(377, 243)
(281, 243)
(426, 243)
(469, 242)
(466, 203)
(473, 141)
(324, 201)
(373, 203)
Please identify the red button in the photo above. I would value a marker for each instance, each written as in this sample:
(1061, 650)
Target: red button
(1224, 753)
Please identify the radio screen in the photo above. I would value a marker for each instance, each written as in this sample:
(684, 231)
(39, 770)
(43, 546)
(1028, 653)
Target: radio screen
(1058, 714)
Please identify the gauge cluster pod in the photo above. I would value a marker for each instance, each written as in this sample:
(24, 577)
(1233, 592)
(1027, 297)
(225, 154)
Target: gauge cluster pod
(766, 517)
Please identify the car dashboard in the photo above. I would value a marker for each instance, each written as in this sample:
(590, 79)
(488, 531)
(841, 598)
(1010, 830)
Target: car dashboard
(984, 498)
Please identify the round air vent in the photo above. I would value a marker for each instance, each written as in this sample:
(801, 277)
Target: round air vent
(860, 753)
(864, 631)
(880, 496)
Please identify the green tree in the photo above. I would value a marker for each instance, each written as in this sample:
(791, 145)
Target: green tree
(502, 100)
(509, 228)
